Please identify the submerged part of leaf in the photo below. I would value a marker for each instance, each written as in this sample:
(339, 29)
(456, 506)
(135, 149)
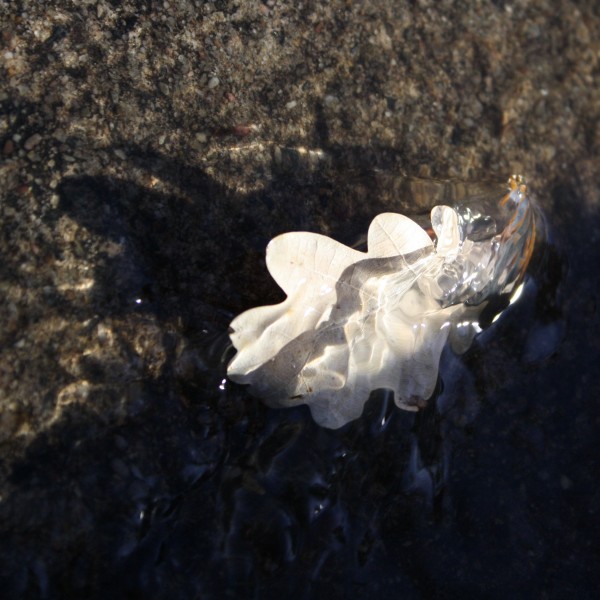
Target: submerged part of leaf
(354, 322)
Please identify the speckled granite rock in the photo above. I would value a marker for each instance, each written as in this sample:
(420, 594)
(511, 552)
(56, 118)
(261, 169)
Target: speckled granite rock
(148, 153)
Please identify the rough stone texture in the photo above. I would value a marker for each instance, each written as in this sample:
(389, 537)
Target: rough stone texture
(148, 152)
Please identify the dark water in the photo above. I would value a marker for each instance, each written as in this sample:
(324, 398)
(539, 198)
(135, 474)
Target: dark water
(491, 492)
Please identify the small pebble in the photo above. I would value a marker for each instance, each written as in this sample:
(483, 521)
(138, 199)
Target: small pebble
(291, 105)
(59, 135)
(213, 82)
(9, 148)
(32, 141)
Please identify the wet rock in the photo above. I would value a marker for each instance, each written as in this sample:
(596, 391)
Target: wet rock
(138, 191)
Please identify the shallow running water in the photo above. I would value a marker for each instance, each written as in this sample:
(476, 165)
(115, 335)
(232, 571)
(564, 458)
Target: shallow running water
(490, 491)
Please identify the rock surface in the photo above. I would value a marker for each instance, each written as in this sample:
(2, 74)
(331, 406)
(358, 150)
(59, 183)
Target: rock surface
(149, 151)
